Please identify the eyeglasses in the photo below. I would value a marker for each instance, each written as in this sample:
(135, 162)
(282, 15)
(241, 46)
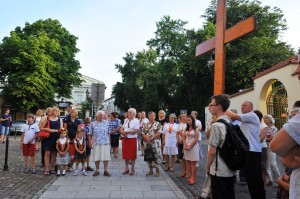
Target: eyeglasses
(213, 105)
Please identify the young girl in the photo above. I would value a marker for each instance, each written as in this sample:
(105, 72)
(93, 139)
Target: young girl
(191, 148)
(62, 158)
(80, 149)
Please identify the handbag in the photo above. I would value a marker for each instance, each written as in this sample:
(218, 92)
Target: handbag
(149, 153)
(45, 134)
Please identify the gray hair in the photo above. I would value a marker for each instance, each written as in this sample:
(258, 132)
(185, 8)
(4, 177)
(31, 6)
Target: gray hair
(132, 110)
(195, 112)
(100, 112)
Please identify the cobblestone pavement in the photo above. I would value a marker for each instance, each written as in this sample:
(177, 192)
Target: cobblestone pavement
(192, 191)
(15, 183)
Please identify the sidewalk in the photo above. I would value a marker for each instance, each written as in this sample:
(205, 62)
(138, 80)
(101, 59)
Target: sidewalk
(116, 186)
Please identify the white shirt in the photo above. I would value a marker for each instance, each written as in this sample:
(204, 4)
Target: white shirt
(263, 143)
(170, 134)
(199, 126)
(292, 127)
(251, 128)
(131, 125)
(30, 130)
(80, 140)
(143, 122)
(62, 140)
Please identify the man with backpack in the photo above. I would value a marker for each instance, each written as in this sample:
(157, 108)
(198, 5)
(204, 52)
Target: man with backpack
(250, 125)
(222, 177)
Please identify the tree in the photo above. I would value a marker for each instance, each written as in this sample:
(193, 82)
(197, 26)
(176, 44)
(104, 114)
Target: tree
(183, 81)
(37, 63)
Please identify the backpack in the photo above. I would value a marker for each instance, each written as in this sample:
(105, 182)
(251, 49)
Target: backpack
(235, 147)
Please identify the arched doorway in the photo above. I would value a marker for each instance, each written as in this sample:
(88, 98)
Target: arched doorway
(277, 103)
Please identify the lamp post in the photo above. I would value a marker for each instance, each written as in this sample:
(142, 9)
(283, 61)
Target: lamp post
(5, 168)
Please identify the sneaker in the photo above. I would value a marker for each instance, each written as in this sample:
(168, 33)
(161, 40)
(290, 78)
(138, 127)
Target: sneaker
(84, 173)
(58, 173)
(26, 170)
(63, 173)
(33, 171)
(75, 173)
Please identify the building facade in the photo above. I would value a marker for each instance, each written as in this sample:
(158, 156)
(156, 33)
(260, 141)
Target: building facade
(108, 106)
(79, 94)
(274, 92)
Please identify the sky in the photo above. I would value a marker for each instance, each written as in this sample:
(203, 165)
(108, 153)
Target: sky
(108, 29)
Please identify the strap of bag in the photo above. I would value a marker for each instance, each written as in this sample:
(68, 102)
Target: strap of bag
(149, 128)
(48, 123)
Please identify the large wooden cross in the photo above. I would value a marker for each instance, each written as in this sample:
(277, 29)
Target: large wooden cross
(218, 42)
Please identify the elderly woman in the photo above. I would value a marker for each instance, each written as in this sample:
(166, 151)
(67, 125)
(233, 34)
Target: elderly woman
(114, 127)
(99, 138)
(129, 143)
(50, 143)
(151, 135)
(169, 142)
(71, 123)
(272, 168)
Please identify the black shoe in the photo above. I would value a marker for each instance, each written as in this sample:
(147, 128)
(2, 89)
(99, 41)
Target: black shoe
(89, 169)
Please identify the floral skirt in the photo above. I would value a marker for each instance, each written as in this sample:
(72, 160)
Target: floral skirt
(62, 160)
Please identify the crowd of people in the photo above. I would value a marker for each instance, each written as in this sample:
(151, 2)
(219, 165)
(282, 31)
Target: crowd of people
(265, 141)
(168, 141)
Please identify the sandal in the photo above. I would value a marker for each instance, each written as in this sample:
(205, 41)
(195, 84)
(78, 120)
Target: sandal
(131, 173)
(96, 173)
(46, 173)
(52, 172)
(171, 169)
(26, 170)
(181, 175)
(166, 169)
(191, 181)
(125, 172)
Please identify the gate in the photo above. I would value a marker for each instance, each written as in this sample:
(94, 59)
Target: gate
(277, 105)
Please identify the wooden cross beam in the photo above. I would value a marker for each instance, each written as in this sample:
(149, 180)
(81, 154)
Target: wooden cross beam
(218, 42)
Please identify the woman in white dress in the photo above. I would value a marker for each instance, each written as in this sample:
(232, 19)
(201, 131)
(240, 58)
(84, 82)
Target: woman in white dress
(191, 148)
(169, 141)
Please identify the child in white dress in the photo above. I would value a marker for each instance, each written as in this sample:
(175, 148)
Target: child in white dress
(62, 147)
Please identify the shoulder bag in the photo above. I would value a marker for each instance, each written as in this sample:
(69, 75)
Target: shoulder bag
(45, 134)
(149, 152)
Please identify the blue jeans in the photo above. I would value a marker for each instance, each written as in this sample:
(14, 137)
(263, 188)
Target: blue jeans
(4, 130)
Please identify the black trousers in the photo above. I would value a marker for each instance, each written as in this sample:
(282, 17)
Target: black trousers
(253, 174)
(222, 187)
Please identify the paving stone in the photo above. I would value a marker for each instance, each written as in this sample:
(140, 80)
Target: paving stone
(160, 188)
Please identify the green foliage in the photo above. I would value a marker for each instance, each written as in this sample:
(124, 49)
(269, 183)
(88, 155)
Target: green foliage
(37, 63)
(169, 76)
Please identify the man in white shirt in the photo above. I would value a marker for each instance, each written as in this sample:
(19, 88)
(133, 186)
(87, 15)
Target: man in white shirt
(250, 125)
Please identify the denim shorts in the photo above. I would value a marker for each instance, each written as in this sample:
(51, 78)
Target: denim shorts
(4, 130)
